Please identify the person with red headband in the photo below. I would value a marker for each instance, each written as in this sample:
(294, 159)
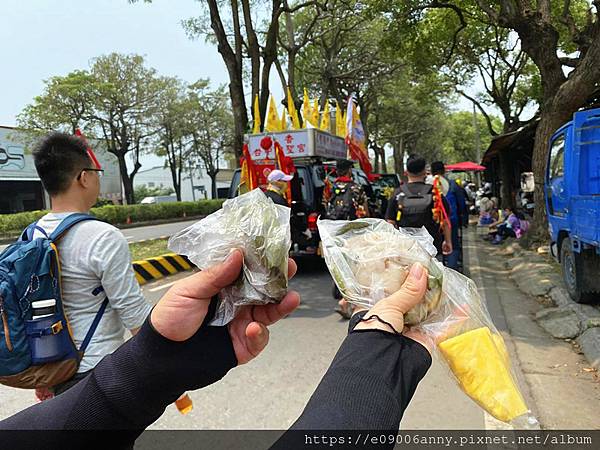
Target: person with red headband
(92, 254)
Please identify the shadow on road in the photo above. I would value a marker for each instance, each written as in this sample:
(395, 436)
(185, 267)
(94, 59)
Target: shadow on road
(314, 284)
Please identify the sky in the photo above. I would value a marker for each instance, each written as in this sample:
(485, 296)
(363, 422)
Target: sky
(44, 38)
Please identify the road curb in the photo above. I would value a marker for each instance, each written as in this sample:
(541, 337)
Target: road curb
(158, 267)
(580, 319)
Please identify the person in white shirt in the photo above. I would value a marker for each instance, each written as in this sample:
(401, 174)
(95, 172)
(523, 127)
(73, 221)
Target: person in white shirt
(92, 254)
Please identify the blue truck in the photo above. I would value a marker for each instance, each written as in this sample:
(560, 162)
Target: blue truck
(572, 188)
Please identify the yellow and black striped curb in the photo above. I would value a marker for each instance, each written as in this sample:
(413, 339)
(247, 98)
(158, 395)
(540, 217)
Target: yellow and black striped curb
(160, 266)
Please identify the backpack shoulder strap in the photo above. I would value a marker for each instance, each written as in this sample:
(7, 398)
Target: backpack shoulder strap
(404, 189)
(67, 223)
(95, 322)
(27, 234)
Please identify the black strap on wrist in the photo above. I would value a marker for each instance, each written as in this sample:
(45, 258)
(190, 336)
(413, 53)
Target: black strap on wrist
(379, 319)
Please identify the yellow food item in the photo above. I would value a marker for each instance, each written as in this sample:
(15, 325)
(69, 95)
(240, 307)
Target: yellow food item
(184, 404)
(479, 361)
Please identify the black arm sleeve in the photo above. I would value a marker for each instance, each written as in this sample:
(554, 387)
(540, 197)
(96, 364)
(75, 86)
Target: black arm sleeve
(367, 387)
(130, 389)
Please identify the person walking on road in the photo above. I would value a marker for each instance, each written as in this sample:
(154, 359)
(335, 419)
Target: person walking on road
(278, 185)
(412, 206)
(459, 215)
(92, 254)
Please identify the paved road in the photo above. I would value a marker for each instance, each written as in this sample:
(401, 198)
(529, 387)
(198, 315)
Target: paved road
(271, 391)
(149, 232)
(155, 231)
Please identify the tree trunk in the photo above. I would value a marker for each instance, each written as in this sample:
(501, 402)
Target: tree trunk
(213, 184)
(126, 180)
(236, 83)
(507, 199)
(399, 157)
(550, 121)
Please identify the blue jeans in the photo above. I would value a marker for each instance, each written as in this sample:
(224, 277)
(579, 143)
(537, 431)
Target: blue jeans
(453, 258)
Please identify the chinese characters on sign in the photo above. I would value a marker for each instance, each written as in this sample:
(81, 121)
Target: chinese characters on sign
(294, 144)
(299, 143)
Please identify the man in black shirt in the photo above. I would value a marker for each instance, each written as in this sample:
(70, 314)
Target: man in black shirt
(412, 206)
(278, 184)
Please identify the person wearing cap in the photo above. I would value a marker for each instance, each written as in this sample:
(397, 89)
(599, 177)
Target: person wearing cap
(278, 184)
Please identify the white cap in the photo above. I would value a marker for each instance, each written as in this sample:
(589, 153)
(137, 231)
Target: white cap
(278, 175)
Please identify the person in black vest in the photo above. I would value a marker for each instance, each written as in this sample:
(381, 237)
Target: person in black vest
(412, 206)
(278, 184)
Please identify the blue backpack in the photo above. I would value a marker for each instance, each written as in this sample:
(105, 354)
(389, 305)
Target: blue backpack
(36, 347)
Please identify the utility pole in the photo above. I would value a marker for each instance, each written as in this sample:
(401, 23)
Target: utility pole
(477, 140)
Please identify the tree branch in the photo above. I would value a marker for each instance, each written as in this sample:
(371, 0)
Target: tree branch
(569, 62)
(488, 119)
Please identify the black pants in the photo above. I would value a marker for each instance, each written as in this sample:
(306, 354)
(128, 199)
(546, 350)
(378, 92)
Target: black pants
(504, 231)
(62, 387)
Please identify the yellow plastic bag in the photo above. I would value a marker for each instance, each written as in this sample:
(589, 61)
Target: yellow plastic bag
(479, 361)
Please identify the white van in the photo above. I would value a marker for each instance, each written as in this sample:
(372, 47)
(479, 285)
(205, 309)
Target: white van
(158, 199)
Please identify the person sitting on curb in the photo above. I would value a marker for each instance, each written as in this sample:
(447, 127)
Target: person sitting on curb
(92, 254)
(378, 366)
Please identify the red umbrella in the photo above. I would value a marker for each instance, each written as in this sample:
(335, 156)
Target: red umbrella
(466, 166)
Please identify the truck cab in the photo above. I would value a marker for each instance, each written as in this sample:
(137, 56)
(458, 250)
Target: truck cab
(572, 193)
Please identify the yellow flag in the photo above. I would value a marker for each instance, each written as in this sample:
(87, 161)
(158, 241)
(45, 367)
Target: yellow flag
(344, 130)
(339, 120)
(325, 118)
(256, 129)
(284, 124)
(273, 122)
(292, 111)
(306, 114)
(314, 114)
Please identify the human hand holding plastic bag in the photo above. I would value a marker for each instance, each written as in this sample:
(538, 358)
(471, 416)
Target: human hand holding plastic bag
(254, 224)
(369, 257)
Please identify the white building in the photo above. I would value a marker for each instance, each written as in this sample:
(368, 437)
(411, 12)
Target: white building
(196, 188)
(20, 184)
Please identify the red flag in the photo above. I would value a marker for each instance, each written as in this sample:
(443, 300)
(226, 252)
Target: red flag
(283, 163)
(248, 175)
(363, 160)
(439, 212)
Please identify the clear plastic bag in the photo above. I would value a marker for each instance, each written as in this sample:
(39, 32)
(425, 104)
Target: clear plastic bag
(261, 229)
(369, 259)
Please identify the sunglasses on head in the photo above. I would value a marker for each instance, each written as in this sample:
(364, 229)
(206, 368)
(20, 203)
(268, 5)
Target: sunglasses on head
(99, 171)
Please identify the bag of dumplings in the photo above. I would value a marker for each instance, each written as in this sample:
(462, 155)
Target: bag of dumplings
(369, 259)
(261, 229)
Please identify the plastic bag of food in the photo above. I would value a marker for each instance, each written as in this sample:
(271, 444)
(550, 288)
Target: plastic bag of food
(369, 259)
(257, 226)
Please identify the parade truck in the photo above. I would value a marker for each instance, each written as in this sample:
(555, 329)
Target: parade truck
(572, 192)
(307, 152)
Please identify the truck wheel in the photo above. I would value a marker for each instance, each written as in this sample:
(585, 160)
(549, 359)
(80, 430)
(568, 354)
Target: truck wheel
(572, 269)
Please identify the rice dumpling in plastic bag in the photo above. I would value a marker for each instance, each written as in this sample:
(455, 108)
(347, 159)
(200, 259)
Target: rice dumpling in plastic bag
(261, 229)
(369, 259)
